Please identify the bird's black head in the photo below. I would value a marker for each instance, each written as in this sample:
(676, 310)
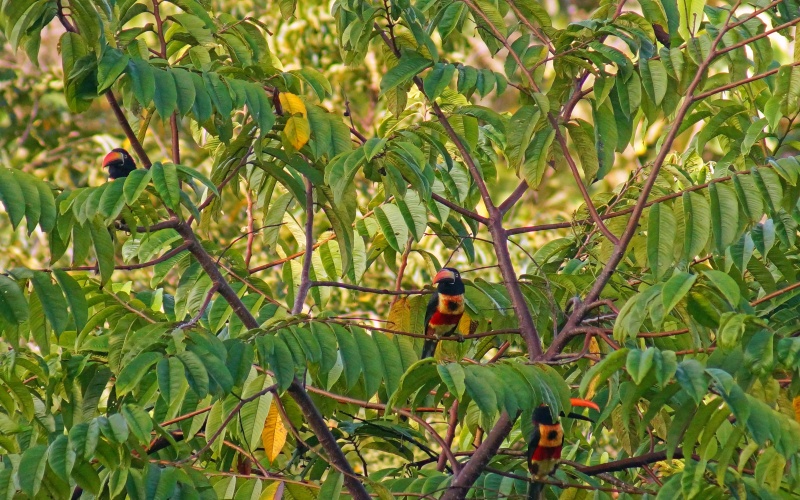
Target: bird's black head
(448, 281)
(543, 415)
(119, 163)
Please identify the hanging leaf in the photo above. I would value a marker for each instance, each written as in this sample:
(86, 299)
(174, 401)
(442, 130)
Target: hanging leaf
(273, 436)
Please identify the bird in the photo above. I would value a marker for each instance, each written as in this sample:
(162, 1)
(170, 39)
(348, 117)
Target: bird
(119, 163)
(546, 442)
(445, 308)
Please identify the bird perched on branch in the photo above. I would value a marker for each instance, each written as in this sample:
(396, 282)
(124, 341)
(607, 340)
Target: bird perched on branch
(444, 309)
(547, 440)
(119, 163)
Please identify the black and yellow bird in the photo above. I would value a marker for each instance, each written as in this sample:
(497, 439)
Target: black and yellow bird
(119, 163)
(444, 309)
(546, 442)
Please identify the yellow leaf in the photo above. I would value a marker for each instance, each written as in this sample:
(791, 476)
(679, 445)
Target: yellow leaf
(298, 131)
(274, 434)
(400, 315)
(292, 104)
(272, 492)
(796, 406)
(594, 348)
(466, 326)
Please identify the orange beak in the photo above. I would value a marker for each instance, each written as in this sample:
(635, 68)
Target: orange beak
(112, 157)
(583, 403)
(442, 275)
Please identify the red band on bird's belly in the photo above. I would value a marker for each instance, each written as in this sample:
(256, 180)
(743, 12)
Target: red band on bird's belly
(444, 319)
(546, 452)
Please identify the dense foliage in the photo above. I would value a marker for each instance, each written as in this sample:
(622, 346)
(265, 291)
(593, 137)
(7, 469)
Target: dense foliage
(242, 318)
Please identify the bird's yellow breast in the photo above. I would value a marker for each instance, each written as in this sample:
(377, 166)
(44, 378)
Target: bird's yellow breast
(551, 436)
(450, 304)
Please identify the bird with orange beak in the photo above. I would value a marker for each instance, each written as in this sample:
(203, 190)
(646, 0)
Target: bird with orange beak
(546, 442)
(119, 163)
(444, 309)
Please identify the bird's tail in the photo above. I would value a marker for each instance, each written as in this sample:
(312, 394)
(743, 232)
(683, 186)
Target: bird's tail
(535, 491)
(428, 348)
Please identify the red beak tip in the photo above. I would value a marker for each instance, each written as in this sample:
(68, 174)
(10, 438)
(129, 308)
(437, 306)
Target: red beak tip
(584, 403)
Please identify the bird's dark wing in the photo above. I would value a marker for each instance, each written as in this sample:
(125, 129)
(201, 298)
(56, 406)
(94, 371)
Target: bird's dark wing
(533, 443)
(429, 346)
(432, 304)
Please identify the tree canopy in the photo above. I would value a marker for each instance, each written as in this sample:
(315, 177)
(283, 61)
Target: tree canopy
(242, 315)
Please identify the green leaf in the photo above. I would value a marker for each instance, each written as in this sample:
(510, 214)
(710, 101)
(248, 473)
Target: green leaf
(692, 378)
(536, 155)
(11, 196)
(639, 363)
(453, 376)
(520, 131)
(53, 302)
(393, 226)
(103, 250)
(13, 305)
(370, 360)
(770, 469)
(749, 197)
(143, 79)
(112, 199)
(724, 215)
(582, 135)
(697, 225)
(165, 179)
(61, 457)
(661, 232)
(139, 422)
(76, 298)
(132, 372)
(410, 64)
(196, 373)
(390, 358)
(675, 289)
(725, 284)
(112, 64)
(437, 79)
(135, 183)
(654, 79)
(194, 174)
(186, 91)
(32, 466)
(166, 93)
(605, 136)
(83, 438)
(601, 372)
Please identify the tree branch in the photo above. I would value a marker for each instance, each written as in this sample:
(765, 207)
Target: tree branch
(514, 197)
(464, 480)
(302, 291)
(633, 223)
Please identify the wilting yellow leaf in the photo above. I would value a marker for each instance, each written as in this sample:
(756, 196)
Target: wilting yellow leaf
(274, 491)
(292, 104)
(298, 131)
(274, 434)
(400, 315)
(796, 406)
(466, 326)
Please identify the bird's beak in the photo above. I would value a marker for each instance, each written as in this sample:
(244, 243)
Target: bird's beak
(112, 157)
(444, 274)
(584, 404)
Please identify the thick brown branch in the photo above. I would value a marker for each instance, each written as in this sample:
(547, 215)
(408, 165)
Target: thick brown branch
(472, 470)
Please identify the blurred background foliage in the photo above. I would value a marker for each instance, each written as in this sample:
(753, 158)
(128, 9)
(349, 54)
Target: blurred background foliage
(127, 370)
